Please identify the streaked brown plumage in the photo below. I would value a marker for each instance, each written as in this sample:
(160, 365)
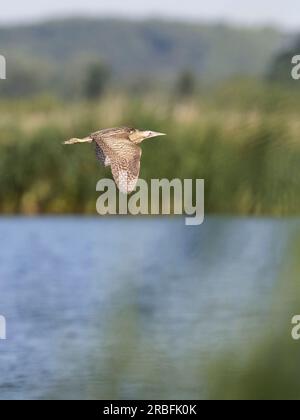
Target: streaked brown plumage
(118, 148)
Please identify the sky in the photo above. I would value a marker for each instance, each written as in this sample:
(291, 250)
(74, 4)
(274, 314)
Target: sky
(284, 13)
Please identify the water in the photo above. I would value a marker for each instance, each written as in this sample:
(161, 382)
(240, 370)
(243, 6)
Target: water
(104, 308)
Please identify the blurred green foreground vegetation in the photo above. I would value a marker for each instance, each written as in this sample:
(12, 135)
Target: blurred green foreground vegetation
(242, 137)
(259, 362)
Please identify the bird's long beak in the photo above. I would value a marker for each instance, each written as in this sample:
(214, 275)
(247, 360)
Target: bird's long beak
(155, 134)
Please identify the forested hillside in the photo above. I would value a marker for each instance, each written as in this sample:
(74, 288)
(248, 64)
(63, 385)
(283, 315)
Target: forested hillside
(54, 55)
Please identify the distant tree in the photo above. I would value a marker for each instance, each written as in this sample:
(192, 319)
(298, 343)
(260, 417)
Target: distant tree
(22, 81)
(97, 77)
(186, 84)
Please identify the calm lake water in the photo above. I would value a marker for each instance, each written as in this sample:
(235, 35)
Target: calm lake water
(130, 308)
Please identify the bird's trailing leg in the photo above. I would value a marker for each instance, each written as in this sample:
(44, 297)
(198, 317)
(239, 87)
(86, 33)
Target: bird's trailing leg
(74, 141)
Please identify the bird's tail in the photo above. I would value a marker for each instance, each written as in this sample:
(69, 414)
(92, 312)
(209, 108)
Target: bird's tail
(74, 141)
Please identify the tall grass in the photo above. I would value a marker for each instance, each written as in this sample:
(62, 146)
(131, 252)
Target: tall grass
(242, 139)
(269, 368)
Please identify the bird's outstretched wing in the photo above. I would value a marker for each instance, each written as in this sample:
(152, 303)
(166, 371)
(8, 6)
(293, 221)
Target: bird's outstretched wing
(126, 171)
(124, 158)
(101, 156)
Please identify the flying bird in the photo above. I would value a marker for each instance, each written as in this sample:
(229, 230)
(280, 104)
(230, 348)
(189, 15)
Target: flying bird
(119, 148)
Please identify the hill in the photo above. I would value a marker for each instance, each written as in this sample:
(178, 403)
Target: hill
(56, 53)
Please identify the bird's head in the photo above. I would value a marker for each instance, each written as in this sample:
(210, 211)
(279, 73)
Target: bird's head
(137, 136)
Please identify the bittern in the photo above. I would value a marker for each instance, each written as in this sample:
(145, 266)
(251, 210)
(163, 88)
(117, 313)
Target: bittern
(118, 148)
